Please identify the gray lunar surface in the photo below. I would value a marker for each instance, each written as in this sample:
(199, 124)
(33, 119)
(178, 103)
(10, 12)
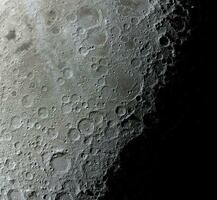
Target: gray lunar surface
(76, 79)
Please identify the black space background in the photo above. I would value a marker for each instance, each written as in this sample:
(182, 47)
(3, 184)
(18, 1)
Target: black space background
(172, 161)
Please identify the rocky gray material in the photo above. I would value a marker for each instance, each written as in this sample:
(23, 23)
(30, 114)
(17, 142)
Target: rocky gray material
(77, 79)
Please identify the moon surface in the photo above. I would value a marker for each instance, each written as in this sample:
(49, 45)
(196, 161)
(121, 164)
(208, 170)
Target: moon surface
(77, 78)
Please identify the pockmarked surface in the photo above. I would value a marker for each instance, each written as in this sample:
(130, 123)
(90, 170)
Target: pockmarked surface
(76, 79)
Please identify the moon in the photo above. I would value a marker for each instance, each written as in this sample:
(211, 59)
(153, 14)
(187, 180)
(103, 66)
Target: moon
(77, 78)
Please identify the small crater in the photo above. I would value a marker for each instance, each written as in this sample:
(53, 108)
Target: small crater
(63, 196)
(67, 73)
(52, 133)
(85, 126)
(60, 163)
(73, 134)
(66, 108)
(16, 122)
(121, 111)
(27, 101)
(96, 117)
(11, 35)
(43, 113)
(14, 194)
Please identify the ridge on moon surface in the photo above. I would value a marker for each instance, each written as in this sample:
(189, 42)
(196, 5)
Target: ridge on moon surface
(76, 80)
